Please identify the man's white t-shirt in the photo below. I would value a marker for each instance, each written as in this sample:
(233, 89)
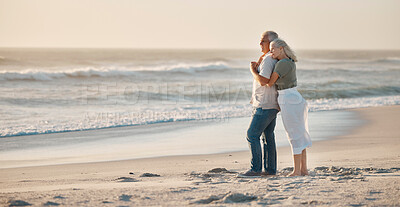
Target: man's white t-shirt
(265, 97)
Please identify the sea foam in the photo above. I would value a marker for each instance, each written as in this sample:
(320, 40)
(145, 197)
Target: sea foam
(210, 113)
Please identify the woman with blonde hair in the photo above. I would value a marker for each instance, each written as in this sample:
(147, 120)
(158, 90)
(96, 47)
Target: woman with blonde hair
(294, 108)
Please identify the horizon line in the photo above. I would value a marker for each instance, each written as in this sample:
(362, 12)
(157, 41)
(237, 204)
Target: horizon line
(194, 48)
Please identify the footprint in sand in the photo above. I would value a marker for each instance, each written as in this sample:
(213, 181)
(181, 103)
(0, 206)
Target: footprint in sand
(18, 203)
(374, 192)
(49, 203)
(370, 199)
(149, 175)
(323, 168)
(288, 188)
(208, 200)
(227, 198)
(326, 191)
(274, 185)
(209, 175)
(272, 189)
(357, 204)
(312, 202)
(125, 197)
(280, 198)
(286, 170)
(218, 182)
(343, 171)
(181, 190)
(239, 198)
(272, 200)
(221, 170)
(126, 179)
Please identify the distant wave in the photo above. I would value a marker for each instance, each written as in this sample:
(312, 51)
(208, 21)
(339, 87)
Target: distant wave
(210, 94)
(188, 68)
(46, 75)
(351, 61)
(352, 69)
(37, 75)
(340, 90)
(389, 60)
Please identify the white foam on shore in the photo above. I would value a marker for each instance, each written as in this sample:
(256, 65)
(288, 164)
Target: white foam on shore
(148, 116)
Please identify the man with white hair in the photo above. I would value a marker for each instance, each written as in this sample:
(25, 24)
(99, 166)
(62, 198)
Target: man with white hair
(265, 109)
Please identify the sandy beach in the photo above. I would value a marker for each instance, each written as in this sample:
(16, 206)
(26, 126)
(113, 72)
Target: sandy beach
(139, 103)
(361, 168)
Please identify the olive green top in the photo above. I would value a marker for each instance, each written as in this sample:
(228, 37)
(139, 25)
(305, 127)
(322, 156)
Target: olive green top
(286, 69)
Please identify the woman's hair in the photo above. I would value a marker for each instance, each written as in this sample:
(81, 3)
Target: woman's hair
(288, 51)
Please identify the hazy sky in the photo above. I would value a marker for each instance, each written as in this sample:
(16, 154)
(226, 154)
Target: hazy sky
(305, 24)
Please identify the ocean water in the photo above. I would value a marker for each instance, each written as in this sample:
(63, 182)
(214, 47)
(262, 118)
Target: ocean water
(59, 90)
(157, 140)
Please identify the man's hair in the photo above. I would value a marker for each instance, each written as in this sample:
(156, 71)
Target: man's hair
(271, 35)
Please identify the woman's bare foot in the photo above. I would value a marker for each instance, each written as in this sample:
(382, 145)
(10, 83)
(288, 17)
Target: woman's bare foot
(304, 172)
(294, 173)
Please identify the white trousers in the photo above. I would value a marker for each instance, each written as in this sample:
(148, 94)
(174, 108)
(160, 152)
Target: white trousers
(294, 112)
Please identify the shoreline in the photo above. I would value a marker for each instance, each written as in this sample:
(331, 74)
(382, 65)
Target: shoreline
(154, 141)
(359, 168)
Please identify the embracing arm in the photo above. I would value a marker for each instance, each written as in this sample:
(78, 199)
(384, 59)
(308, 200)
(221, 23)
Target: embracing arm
(260, 79)
(273, 79)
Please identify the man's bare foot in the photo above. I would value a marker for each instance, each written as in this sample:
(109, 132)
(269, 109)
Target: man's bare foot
(304, 172)
(293, 174)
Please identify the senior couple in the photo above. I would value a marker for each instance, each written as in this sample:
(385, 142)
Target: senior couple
(274, 90)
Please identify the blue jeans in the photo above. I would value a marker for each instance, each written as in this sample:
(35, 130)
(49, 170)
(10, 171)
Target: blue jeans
(262, 123)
